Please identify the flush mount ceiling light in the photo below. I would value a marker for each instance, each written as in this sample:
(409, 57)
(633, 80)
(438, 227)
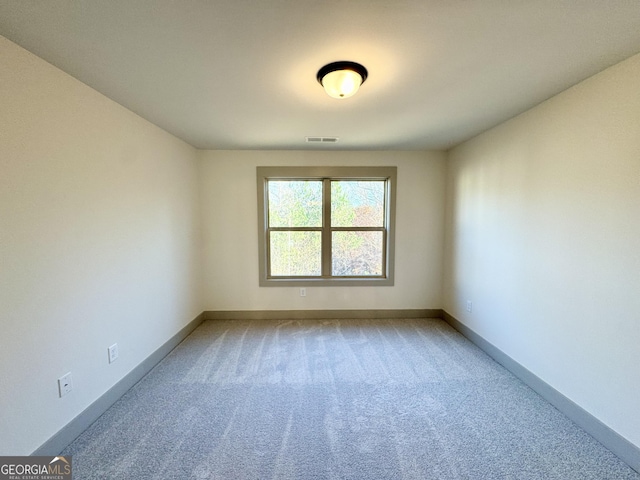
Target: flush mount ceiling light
(342, 79)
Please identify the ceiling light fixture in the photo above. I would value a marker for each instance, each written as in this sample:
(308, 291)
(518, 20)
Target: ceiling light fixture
(342, 79)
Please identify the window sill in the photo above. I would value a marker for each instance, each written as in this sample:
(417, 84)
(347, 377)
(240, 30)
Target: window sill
(326, 282)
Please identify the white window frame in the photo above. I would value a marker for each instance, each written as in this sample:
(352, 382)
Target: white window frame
(388, 174)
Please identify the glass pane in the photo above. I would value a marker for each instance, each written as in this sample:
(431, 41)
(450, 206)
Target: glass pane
(357, 203)
(357, 253)
(295, 203)
(296, 254)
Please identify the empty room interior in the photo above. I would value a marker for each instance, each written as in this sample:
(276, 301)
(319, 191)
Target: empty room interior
(145, 305)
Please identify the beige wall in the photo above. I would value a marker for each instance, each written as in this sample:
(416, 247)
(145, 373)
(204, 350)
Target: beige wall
(542, 235)
(229, 203)
(99, 239)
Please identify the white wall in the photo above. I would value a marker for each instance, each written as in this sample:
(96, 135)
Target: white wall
(229, 205)
(543, 236)
(100, 241)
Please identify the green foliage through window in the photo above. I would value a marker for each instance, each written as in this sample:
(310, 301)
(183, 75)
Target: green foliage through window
(326, 225)
(295, 220)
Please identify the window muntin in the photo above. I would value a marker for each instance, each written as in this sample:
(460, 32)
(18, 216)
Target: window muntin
(326, 226)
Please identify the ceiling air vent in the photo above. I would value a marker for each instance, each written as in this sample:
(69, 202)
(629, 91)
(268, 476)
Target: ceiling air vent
(321, 139)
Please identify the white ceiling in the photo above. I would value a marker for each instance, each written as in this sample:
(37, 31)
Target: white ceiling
(241, 74)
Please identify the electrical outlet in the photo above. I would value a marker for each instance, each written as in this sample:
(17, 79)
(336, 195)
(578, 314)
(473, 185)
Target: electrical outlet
(65, 384)
(303, 292)
(469, 306)
(113, 353)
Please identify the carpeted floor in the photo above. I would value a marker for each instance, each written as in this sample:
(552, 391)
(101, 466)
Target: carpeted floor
(335, 399)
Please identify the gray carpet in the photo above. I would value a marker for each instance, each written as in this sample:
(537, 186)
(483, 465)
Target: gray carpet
(335, 399)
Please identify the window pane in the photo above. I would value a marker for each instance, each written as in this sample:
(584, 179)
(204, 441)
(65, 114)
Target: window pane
(296, 254)
(295, 203)
(357, 203)
(357, 253)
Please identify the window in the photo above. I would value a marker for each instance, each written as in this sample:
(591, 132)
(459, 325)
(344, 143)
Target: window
(326, 225)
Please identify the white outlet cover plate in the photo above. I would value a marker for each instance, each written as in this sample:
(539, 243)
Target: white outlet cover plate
(65, 384)
(113, 353)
